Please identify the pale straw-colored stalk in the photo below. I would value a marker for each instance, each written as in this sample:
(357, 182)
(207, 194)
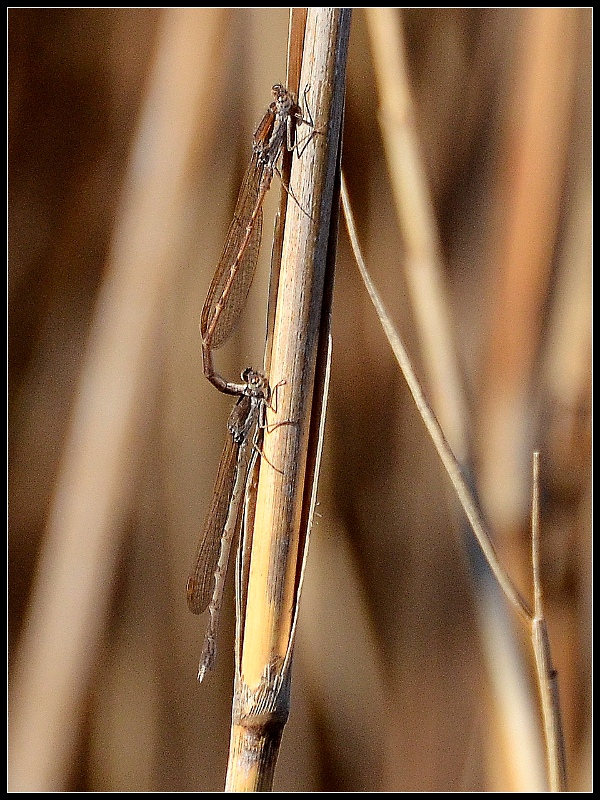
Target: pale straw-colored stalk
(285, 492)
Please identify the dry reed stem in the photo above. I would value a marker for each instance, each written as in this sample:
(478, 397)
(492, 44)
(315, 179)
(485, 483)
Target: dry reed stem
(546, 674)
(261, 703)
(77, 561)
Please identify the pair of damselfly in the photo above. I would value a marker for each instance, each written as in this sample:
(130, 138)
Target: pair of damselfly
(225, 300)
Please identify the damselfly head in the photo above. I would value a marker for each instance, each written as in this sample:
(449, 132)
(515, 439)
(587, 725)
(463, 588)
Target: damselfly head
(256, 383)
(284, 100)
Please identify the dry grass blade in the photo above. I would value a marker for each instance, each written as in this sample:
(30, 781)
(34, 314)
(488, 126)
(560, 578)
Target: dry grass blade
(435, 431)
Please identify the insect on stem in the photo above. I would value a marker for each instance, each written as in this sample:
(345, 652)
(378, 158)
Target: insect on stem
(235, 271)
(207, 580)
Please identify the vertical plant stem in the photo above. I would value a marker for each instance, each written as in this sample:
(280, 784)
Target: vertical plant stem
(546, 674)
(261, 702)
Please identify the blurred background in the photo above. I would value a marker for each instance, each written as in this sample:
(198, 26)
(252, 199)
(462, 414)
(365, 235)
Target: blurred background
(128, 134)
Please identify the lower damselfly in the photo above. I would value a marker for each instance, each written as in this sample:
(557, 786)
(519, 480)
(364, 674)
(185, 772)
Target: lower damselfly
(225, 516)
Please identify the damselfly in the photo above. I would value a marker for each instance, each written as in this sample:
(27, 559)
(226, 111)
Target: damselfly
(225, 516)
(235, 271)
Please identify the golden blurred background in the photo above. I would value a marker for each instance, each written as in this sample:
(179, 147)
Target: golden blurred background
(128, 134)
